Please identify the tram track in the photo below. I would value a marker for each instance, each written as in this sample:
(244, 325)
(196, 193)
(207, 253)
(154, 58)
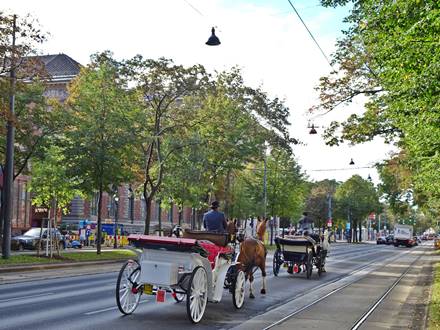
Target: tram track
(374, 306)
(361, 320)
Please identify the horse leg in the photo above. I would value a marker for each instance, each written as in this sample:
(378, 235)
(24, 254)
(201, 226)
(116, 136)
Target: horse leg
(251, 279)
(263, 274)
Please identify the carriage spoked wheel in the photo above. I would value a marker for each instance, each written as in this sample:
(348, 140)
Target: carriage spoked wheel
(128, 290)
(178, 296)
(277, 261)
(309, 265)
(197, 294)
(238, 289)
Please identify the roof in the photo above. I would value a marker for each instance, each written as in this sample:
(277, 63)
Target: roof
(60, 65)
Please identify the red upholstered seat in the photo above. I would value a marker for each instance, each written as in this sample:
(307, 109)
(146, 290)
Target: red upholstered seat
(151, 241)
(213, 250)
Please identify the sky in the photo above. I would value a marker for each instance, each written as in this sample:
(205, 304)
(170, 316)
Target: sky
(264, 38)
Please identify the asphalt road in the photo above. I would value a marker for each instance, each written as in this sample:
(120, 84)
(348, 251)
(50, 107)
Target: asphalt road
(88, 301)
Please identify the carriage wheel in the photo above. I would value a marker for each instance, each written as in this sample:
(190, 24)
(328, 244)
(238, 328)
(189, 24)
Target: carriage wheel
(238, 290)
(197, 294)
(309, 265)
(128, 290)
(277, 262)
(178, 296)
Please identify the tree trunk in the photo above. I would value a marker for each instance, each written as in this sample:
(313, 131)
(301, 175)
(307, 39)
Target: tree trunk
(360, 231)
(159, 219)
(227, 190)
(180, 214)
(1, 211)
(99, 230)
(147, 213)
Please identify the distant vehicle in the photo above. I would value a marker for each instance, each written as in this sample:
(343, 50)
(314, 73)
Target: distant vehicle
(29, 240)
(416, 241)
(403, 235)
(74, 244)
(389, 239)
(381, 240)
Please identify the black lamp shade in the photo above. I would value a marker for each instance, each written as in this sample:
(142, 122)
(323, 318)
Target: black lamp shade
(313, 130)
(351, 162)
(213, 39)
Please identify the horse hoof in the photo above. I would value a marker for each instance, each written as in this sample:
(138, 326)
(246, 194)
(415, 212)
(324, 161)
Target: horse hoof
(251, 296)
(263, 291)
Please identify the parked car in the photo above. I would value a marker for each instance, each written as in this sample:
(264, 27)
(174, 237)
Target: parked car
(381, 240)
(389, 239)
(29, 240)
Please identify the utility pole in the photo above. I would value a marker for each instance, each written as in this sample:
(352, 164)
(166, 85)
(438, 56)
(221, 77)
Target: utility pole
(265, 185)
(115, 242)
(8, 179)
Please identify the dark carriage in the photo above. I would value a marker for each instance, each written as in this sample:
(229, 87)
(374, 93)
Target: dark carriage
(299, 254)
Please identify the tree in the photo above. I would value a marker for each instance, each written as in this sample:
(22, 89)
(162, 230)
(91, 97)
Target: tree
(18, 38)
(357, 198)
(161, 89)
(51, 187)
(390, 54)
(100, 117)
(317, 203)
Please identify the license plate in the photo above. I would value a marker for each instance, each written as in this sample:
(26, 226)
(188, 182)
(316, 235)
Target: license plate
(148, 289)
(160, 295)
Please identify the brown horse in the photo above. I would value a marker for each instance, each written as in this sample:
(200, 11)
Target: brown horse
(253, 256)
(261, 228)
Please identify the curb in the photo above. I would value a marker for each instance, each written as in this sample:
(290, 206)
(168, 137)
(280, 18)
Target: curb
(58, 265)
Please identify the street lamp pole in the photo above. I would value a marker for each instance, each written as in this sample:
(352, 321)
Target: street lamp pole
(8, 179)
(116, 199)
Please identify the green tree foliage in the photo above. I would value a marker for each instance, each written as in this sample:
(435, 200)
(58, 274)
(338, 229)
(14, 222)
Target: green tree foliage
(50, 182)
(317, 201)
(390, 55)
(100, 116)
(357, 198)
(285, 185)
(51, 186)
(161, 89)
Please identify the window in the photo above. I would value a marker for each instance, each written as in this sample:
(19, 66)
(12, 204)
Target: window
(94, 204)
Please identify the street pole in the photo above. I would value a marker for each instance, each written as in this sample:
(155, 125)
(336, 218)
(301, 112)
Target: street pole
(115, 242)
(265, 185)
(8, 180)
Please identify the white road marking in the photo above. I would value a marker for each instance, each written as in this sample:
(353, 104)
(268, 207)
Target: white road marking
(26, 297)
(109, 309)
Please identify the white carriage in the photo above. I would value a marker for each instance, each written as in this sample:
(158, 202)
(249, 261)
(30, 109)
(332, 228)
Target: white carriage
(190, 269)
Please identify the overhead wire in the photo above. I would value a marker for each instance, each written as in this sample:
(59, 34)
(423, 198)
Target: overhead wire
(194, 8)
(310, 33)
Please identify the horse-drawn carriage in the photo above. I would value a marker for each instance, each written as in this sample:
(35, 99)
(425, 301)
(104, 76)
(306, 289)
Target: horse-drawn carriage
(300, 254)
(194, 269)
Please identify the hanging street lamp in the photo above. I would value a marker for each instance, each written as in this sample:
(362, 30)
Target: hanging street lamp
(213, 39)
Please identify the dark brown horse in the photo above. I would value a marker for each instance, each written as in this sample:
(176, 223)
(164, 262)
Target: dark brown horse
(253, 256)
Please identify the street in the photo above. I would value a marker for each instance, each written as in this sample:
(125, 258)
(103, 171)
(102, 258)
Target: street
(358, 276)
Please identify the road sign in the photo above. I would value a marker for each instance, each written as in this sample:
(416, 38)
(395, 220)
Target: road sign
(347, 226)
(329, 222)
